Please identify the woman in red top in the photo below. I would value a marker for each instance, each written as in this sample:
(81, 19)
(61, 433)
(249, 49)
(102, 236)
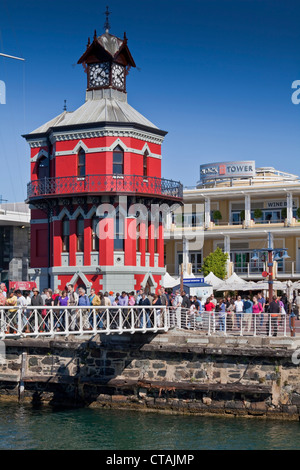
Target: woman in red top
(209, 305)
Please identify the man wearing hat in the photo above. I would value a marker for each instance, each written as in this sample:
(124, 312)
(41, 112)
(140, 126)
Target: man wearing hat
(111, 297)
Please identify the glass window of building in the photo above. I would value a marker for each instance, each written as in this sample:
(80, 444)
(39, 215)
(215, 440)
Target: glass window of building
(119, 233)
(118, 161)
(65, 234)
(43, 168)
(80, 233)
(145, 164)
(81, 164)
(95, 238)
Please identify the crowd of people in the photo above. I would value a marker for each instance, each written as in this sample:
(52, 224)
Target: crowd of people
(232, 312)
(69, 297)
(185, 310)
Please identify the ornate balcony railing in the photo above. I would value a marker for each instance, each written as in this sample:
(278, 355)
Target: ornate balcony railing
(95, 184)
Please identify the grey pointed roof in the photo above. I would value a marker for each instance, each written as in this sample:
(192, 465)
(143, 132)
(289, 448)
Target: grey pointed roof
(100, 106)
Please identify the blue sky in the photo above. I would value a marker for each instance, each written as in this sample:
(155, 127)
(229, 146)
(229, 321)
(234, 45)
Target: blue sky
(215, 74)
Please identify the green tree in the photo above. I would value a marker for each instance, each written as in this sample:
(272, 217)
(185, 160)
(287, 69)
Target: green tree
(215, 262)
(284, 213)
(258, 214)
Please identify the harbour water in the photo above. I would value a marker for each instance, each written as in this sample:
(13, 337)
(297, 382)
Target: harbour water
(23, 427)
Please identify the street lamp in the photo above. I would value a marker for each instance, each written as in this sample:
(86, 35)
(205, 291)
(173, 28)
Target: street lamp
(274, 254)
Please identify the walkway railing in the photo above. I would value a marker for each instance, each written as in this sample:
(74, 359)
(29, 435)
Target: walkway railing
(65, 321)
(53, 321)
(232, 324)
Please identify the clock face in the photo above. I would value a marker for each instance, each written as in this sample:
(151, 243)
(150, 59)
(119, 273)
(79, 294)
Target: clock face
(99, 74)
(118, 76)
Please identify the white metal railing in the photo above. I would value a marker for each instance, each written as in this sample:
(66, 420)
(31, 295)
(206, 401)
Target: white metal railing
(64, 321)
(232, 324)
(58, 320)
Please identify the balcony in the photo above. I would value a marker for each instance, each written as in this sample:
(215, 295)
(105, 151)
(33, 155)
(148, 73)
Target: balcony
(104, 184)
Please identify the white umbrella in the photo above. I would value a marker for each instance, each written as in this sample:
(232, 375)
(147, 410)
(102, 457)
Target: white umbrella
(213, 280)
(169, 281)
(277, 285)
(234, 282)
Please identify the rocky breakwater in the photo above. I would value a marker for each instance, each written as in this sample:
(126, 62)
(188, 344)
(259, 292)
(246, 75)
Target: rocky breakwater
(174, 372)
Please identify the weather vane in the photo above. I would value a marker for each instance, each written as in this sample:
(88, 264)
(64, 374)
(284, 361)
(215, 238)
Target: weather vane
(106, 24)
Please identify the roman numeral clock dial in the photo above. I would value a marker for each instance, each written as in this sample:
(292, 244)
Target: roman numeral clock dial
(118, 76)
(99, 74)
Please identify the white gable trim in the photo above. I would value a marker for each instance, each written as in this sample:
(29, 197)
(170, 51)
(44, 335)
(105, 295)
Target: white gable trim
(79, 274)
(147, 277)
(41, 153)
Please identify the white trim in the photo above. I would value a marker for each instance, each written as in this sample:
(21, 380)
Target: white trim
(41, 153)
(107, 132)
(146, 277)
(81, 275)
(108, 149)
(79, 145)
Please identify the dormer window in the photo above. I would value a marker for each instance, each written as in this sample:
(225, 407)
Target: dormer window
(81, 164)
(145, 164)
(118, 161)
(43, 168)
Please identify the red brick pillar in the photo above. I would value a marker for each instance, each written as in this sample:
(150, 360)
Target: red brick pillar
(106, 231)
(57, 242)
(130, 241)
(72, 243)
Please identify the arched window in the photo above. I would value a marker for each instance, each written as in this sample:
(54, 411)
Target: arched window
(65, 234)
(95, 238)
(145, 164)
(80, 233)
(118, 161)
(81, 164)
(119, 232)
(43, 168)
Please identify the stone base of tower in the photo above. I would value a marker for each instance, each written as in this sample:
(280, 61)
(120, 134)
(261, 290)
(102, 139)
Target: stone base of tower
(108, 279)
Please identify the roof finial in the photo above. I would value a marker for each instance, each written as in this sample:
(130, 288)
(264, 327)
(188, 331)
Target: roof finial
(65, 105)
(106, 24)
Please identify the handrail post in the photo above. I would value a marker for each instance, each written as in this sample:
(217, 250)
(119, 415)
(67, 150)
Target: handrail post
(66, 313)
(120, 320)
(36, 322)
(80, 322)
(51, 322)
(19, 328)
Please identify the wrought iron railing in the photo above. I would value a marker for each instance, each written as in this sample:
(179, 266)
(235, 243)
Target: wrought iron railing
(113, 183)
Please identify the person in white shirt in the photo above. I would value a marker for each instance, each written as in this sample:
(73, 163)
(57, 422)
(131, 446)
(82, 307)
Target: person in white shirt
(177, 306)
(3, 287)
(213, 300)
(239, 309)
(22, 304)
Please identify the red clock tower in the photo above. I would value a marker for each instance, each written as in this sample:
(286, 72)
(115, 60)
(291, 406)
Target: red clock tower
(95, 178)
